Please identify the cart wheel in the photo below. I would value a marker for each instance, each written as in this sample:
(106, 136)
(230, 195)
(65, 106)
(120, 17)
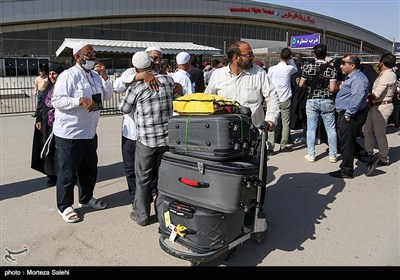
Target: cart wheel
(195, 263)
(259, 237)
(260, 240)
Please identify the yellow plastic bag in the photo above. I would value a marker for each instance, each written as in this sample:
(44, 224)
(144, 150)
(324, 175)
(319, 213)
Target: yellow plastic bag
(204, 104)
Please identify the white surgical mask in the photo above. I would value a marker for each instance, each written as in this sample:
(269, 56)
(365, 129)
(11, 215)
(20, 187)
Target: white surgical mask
(87, 64)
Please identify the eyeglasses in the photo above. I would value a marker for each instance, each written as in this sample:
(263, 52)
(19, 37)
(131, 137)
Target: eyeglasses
(91, 55)
(344, 62)
(155, 58)
(248, 55)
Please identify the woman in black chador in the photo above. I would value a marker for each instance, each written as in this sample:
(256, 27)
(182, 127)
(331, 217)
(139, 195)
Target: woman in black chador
(44, 157)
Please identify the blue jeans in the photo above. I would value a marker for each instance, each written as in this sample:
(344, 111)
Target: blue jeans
(326, 109)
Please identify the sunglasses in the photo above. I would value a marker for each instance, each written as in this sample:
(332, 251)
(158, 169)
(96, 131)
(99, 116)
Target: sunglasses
(91, 55)
(344, 62)
(155, 58)
(248, 55)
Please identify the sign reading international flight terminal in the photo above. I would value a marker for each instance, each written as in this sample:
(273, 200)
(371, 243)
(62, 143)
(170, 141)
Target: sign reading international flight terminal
(271, 12)
(304, 41)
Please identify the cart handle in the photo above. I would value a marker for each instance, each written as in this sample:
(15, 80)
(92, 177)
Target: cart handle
(192, 183)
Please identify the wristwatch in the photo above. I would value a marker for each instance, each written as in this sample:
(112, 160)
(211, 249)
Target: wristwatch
(347, 118)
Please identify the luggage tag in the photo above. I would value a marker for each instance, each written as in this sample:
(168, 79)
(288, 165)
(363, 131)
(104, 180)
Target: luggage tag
(167, 219)
(181, 230)
(173, 234)
(200, 167)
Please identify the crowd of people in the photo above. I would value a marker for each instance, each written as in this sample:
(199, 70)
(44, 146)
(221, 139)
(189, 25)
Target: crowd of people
(280, 98)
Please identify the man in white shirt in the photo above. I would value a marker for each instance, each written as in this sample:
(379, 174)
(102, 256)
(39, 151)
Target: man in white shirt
(248, 84)
(280, 77)
(151, 111)
(181, 75)
(78, 95)
(129, 133)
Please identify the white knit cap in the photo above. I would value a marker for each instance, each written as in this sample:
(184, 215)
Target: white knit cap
(141, 60)
(182, 58)
(78, 46)
(153, 48)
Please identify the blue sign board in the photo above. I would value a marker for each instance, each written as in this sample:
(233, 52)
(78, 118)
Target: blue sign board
(304, 41)
(397, 47)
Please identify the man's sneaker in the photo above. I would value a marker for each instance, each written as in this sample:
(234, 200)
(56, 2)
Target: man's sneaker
(309, 158)
(332, 159)
(133, 217)
(363, 156)
(285, 149)
(382, 163)
(371, 167)
(299, 140)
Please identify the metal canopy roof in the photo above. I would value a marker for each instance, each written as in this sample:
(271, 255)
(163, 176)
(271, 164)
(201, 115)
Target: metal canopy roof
(116, 46)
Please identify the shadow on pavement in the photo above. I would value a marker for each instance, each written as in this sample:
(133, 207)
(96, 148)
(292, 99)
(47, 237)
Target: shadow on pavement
(21, 188)
(294, 205)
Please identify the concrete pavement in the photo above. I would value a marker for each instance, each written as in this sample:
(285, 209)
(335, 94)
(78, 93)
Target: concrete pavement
(313, 219)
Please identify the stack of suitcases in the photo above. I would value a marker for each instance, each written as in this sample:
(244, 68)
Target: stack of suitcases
(208, 180)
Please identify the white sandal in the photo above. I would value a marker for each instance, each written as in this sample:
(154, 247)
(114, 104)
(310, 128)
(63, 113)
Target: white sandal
(69, 214)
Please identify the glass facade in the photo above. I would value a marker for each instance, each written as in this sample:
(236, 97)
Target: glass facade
(45, 42)
(22, 66)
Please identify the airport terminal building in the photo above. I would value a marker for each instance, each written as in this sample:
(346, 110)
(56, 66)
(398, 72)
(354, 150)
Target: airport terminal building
(35, 29)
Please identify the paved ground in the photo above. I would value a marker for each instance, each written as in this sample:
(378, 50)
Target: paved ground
(314, 220)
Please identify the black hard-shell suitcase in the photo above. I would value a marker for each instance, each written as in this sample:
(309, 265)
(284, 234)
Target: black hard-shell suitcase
(206, 230)
(220, 186)
(217, 137)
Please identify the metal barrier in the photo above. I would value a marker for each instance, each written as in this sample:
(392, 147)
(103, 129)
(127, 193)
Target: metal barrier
(17, 96)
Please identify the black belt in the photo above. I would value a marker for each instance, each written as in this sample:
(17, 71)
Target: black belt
(381, 103)
(356, 114)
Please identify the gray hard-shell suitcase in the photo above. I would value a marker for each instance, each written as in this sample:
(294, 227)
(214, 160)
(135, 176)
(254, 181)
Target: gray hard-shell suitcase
(217, 137)
(220, 186)
(205, 230)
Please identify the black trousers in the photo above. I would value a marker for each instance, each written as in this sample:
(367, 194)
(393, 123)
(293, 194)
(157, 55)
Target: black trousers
(77, 159)
(128, 148)
(348, 132)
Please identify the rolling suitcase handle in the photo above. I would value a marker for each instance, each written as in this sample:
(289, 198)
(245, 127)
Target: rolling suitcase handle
(192, 183)
(264, 128)
(260, 224)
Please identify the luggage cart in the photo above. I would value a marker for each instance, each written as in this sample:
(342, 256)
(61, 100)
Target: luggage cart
(257, 231)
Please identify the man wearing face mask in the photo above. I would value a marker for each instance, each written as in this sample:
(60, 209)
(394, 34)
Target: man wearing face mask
(77, 98)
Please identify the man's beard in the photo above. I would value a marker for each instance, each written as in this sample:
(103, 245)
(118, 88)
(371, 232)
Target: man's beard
(244, 65)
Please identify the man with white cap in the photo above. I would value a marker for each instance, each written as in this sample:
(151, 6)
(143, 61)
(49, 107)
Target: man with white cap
(128, 141)
(130, 75)
(77, 97)
(151, 111)
(181, 75)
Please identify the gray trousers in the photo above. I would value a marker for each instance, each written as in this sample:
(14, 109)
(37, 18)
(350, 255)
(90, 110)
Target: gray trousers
(147, 163)
(375, 125)
(285, 108)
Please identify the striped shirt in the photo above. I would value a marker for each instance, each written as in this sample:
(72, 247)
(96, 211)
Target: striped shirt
(151, 110)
